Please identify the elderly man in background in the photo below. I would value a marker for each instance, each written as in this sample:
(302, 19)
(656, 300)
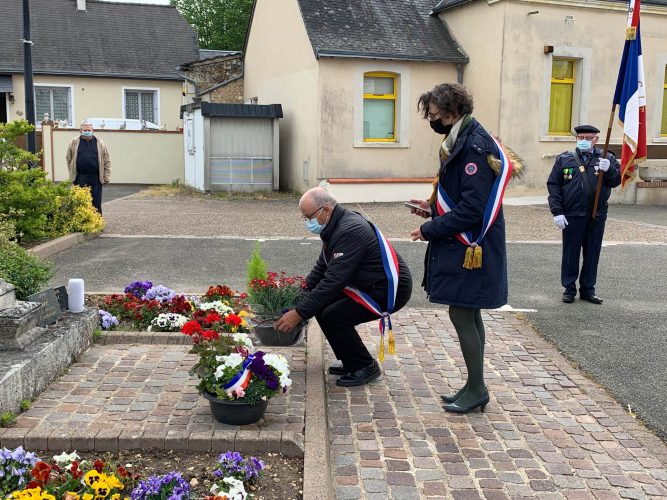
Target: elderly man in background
(89, 163)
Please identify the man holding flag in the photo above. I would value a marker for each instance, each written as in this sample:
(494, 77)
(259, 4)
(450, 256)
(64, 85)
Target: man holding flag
(570, 188)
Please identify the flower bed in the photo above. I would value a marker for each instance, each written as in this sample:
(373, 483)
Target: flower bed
(151, 475)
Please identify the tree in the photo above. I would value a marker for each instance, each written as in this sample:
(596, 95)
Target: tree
(220, 24)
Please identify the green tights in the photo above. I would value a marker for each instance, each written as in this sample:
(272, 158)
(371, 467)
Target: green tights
(470, 330)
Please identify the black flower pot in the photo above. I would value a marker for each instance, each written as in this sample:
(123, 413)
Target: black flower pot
(269, 336)
(236, 412)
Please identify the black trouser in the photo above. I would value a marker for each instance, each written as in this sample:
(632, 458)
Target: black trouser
(581, 233)
(93, 183)
(338, 321)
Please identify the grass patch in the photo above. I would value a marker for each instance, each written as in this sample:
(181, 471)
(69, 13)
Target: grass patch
(180, 191)
(7, 419)
(25, 405)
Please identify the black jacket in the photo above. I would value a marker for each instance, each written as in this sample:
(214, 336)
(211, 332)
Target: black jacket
(467, 178)
(569, 196)
(350, 256)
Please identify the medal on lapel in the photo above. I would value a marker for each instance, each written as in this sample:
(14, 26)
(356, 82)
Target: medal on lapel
(582, 169)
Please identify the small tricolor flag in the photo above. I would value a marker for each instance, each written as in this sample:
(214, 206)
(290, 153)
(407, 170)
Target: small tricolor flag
(630, 97)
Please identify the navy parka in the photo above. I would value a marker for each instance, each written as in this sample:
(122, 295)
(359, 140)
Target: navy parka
(468, 179)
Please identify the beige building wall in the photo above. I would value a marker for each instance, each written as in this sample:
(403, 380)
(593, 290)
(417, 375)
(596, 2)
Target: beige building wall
(280, 68)
(593, 34)
(103, 97)
(343, 154)
(137, 157)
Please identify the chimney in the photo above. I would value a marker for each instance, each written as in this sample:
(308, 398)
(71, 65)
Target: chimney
(81, 5)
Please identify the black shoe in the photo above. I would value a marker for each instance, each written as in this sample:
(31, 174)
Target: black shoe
(568, 299)
(454, 397)
(337, 370)
(360, 377)
(455, 408)
(593, 299)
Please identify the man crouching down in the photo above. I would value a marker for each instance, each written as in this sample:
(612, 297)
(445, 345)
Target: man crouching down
(357, 278)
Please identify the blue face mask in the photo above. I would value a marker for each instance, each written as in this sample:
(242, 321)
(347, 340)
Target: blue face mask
(314, 226)
(87, 133)
(584, 145)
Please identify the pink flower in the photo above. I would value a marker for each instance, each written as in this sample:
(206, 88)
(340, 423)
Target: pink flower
(240, 392)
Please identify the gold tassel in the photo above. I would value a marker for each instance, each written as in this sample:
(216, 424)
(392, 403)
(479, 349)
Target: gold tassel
(391, 344)
(477, 258)
(381, 353)
(467, 262)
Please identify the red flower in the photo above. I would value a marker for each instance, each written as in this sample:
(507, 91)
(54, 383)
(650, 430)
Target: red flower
(233, 319)
(99, 465)
(191, 327)
(41, 472)
(210, 335)
(244, 295)
(122, 471)
(74, 470)
(212, 317)
(33, 484)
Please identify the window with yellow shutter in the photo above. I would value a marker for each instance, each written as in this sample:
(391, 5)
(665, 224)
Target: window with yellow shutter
(561, 97)
(379, 107)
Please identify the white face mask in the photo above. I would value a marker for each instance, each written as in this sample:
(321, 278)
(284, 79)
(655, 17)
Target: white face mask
(584, 144)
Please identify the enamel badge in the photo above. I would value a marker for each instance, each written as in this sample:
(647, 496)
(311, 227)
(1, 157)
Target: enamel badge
(471, 169)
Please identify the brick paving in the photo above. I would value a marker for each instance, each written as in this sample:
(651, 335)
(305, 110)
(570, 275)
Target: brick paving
(142, 396)
(548, 431)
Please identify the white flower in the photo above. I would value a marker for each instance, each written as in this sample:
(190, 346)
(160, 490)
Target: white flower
(65, 459)
(169, 321)
(231, 360)
(242, 338)
(217, 305)
(278, 362)
(232, 488)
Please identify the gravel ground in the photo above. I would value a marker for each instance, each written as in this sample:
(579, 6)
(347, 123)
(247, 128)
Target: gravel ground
(142, 214)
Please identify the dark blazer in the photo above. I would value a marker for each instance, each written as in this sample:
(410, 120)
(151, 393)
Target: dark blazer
(351, 256)
(467, 178)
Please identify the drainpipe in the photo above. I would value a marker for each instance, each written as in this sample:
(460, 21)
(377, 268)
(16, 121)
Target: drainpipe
(459, 73)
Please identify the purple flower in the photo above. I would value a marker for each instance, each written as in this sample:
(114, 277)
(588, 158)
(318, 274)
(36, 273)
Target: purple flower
(233, 464)
(107, 319)
(160, 293)
(138, 288)
(15, 466)
(171, 486)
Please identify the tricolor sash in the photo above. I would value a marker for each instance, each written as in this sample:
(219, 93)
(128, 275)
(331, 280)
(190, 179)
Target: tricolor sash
(242, 378)
(444, 204)
(390, 263)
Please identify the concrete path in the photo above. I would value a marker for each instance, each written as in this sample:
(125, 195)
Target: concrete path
(547, 433)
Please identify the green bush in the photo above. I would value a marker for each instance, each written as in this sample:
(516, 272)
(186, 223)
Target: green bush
(28, 273)
(257, 267)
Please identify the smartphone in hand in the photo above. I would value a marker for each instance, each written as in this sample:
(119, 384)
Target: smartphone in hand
(415, 206)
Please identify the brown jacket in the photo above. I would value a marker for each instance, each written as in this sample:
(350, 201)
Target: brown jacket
(102, 157)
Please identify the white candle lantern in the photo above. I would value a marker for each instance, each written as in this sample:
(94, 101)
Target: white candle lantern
(75, 295)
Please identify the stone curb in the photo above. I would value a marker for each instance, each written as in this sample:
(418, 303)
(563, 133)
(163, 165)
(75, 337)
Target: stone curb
(128, 337)
(59, 244)
(317, 482)
(289, 444)
(634, 427)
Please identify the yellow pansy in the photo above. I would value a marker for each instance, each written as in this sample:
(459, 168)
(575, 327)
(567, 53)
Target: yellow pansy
(70, 495)
(87, 496)
(114, 483)
(102, 489)
(93, 477)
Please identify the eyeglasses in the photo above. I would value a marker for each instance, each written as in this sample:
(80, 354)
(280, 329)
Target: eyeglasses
(432, 116)
(308, 217)
(587, 137)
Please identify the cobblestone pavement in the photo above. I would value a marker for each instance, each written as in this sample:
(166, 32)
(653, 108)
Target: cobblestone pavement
(548, 431)
(141, 396)
(280, 218)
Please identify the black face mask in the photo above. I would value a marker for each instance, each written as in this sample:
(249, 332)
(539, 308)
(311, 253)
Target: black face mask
(439, 128)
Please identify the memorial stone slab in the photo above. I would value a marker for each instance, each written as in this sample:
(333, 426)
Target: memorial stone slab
(61, 293)
(51, 312)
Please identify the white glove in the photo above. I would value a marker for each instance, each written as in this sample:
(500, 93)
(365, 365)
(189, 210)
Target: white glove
(560, 221)
(603, 164)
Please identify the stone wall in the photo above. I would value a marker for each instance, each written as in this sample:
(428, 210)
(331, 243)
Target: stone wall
(211, 72)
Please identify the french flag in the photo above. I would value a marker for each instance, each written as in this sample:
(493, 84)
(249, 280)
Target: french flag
(630, 97)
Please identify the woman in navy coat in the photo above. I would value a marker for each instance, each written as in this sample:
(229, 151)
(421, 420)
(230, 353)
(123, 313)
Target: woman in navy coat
(469, 166)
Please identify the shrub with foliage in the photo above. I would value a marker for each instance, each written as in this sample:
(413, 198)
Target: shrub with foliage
(257, 267)
(28, 273)
(38, 207)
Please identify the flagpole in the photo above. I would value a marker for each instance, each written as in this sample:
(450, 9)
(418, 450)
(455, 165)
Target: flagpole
(604, 155)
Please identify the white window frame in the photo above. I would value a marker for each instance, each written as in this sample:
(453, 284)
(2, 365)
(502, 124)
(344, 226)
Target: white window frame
(582, 89)
(72, 116)
(656, 121)
(156, 90)
(402, 132)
